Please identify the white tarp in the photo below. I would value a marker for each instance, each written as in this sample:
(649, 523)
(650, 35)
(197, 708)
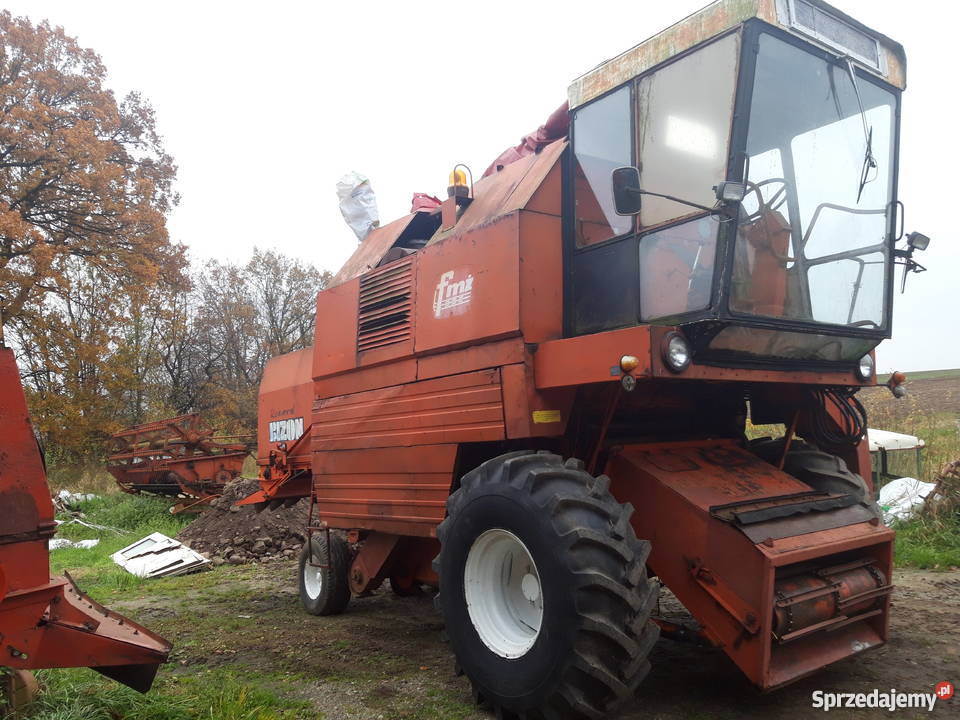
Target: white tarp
(157, 555)
(58, 543)
(899, 499)
(892, 441)
(72, 497)
(358, 204)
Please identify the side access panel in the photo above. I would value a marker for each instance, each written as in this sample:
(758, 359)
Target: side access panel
(383, 459)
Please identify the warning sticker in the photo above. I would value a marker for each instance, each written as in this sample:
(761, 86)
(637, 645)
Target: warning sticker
(546, 416)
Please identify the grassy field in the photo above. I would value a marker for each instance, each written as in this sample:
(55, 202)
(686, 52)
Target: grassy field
(211, 693)
(236, 655)
(931, 411)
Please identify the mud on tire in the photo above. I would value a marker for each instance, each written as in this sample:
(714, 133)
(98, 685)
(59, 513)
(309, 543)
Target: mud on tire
(590, 653)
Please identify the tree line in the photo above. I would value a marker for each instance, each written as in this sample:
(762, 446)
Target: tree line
(111, 325)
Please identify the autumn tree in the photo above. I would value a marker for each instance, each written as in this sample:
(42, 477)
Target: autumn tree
(85, 188)
(235, 319)
(83, 177)
(88, 355)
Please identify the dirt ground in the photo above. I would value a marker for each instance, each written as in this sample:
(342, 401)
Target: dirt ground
(384, 658)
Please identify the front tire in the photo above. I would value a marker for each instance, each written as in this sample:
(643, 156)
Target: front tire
(544, 590)
(324, 590)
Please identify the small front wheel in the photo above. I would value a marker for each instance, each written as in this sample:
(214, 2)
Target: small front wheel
(324, 586)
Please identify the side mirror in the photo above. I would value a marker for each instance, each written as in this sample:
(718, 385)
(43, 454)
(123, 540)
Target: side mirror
(626, 190)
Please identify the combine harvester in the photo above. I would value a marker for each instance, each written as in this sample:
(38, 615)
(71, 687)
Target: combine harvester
(47, 622)
(534, 396)
(177, 458)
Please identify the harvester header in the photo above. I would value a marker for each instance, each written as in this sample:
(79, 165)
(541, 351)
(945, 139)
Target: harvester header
(47, 622)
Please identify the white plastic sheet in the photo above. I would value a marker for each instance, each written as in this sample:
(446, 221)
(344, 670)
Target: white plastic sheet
(157, 555)
(72, 497)
(58, 543)
(358, 204)
(899, 499)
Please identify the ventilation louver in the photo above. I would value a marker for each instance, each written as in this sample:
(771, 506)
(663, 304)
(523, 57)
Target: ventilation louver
(385, 306)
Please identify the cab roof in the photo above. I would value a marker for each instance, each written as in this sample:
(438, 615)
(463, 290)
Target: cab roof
(813, 20)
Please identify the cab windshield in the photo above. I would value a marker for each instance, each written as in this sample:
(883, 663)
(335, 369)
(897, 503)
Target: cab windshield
(812, 236)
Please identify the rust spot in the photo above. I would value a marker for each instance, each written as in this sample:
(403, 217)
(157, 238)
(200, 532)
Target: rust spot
(20, 514)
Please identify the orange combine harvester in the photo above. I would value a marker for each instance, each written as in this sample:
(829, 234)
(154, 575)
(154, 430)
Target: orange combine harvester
(535, 397)
(47, 622)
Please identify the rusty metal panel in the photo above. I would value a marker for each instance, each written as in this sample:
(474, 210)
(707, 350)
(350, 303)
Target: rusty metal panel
(27, 512)
(530, 413)
(476, 357)
(335, 332)
(505, 192)
(44, 621)
(541, 277)
(459, 408)
(368, 378)
(399, 489)
(709, 22)
(591, 358)
(469, 288)
(370, 251)
(547, 199)
(719, 574)
(715, 473)
(286, 393)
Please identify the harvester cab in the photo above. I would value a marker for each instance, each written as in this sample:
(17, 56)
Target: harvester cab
(738, 178)
(536, 396)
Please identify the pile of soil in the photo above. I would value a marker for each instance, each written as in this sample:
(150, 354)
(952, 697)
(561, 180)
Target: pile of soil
(226, 533)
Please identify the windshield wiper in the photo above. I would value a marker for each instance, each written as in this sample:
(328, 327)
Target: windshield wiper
(869, 162)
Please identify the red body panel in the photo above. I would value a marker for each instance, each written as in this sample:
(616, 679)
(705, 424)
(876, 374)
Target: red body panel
(44, 621)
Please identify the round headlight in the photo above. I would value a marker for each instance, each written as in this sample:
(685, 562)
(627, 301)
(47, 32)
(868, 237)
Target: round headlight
(865, 367)
(676, 352)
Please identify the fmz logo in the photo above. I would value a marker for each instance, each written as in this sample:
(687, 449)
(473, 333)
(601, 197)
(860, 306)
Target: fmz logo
(286, 430)
(452, 296)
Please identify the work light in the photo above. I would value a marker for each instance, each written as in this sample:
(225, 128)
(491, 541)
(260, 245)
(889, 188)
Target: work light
(676, 352)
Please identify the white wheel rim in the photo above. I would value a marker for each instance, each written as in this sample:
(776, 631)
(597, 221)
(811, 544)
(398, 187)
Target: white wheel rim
(312, 580)
(503, 593)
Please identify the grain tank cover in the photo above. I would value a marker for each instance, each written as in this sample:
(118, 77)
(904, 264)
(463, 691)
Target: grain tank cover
(813, 20)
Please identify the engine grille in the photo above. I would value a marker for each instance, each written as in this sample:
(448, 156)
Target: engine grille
(386, 306)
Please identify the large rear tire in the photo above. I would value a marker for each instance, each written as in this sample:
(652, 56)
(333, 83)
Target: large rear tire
(324, 590)
(544, 590)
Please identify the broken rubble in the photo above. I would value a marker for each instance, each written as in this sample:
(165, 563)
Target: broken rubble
(238, 534)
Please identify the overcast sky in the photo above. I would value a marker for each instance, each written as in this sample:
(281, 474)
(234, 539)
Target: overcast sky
(264, 106)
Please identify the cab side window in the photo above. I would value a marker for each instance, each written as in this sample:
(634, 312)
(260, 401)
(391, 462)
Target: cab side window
(602, 143)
